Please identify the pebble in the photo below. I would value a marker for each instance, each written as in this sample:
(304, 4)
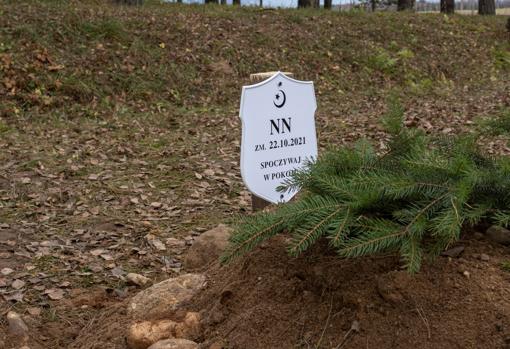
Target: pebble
(175, 343)
(137, 279)
(484, 257)
(466, 274)
(17, 326)
(498, 234)
(143, 334)
(453, 252)
(478, 236)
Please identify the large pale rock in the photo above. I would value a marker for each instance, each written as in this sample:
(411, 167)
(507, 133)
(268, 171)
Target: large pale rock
(165, 297)
(208, 247)
(143, 334)
(189, 328)
(498, 234)
(176, 343)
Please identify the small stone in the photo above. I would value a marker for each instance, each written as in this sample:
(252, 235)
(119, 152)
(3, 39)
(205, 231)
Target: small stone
(498, 234)
(453, 252)
(17, 326)
(143, 334)
(355, 326)
(484, 257)
(175, 343)
(190, 327)
(217, 345)
(207, 248)
(137, 279)
(466, 274)
(478, 236)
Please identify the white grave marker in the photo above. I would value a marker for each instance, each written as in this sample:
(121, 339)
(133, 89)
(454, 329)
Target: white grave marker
(278, 133)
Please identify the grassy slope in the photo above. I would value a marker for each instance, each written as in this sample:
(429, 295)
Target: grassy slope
(65, 55)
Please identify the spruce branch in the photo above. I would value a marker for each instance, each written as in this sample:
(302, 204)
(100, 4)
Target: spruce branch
(414, 199)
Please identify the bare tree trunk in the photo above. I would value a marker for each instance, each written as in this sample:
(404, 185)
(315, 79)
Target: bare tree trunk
(236, 2)
(261, 3)
(405, 5)
(211, 1)
(130, 2)
(448, 6)
(373, 5)
(223, 2)
(328, 4)
(486, 7)
(304, 3)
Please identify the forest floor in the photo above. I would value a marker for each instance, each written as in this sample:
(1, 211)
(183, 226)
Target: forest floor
(119, 138)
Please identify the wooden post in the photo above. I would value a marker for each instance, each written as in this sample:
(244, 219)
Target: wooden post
(257, 203)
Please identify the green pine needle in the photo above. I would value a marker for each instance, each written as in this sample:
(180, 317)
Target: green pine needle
(414, 199)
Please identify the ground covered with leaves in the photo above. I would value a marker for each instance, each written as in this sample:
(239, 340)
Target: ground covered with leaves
(119, 134)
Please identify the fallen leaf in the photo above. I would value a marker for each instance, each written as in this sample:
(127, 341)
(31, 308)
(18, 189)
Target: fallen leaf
(6, 271)
(34, 311)
(16, 296)
(55, 293)
(107, 257)
(97, 252)
(18, 284)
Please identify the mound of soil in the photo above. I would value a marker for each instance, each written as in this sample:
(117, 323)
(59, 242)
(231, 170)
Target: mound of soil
(270, 300)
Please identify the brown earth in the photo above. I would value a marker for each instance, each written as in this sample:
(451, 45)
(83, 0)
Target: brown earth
(270, 300)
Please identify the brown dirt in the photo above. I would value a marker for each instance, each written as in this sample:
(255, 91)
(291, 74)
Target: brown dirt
(270, 300)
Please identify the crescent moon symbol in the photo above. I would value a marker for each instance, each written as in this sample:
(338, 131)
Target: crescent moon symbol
(283, 101)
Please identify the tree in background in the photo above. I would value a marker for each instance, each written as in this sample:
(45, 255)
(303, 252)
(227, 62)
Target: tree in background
(304, 3)
(448, 6)
(130, 2)
(486, 7)
(211, 1)
(328, 4)
(405, 5)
